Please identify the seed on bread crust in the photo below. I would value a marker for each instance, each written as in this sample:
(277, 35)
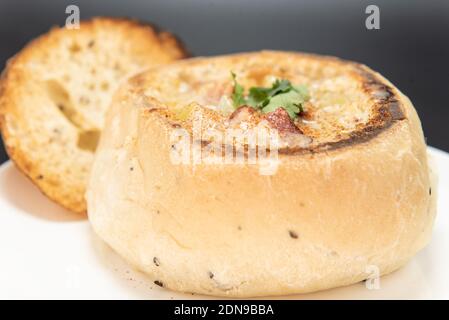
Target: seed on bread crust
(159, 283)
(293, 234)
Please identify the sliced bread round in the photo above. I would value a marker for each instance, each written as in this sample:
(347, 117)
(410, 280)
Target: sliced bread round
(54, 94)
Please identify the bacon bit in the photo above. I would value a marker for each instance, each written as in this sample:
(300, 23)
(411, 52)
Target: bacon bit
(281, 121)
(215, 91)
(243, 113)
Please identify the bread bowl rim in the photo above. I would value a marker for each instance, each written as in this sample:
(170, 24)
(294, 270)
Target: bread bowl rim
(390, 109)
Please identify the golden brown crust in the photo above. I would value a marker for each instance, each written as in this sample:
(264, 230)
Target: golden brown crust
(321, 220)
(26, 135)
(385, 106)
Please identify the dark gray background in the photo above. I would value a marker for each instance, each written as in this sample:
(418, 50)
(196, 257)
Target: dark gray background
(411, 48)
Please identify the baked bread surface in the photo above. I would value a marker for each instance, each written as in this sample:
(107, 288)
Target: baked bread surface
(355, 199)
(54, 93)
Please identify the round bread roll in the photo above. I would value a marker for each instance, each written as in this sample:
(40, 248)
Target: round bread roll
(350, 198)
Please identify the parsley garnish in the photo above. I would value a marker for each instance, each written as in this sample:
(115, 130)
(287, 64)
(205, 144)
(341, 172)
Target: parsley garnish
(281, 94)
(237, 94)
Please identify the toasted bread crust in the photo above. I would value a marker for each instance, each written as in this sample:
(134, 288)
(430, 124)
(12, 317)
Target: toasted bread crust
(61, 174)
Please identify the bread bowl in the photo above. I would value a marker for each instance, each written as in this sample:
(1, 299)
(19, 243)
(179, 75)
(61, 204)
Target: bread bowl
(354, 195)
(55, 91)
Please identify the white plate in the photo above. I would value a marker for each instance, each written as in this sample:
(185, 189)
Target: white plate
(49, 253)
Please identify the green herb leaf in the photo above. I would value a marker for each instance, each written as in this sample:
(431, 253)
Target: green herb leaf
(281, 94)
(280, 86)
(291, 101)
(302, 89)
(257, 97)
(238, 98)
